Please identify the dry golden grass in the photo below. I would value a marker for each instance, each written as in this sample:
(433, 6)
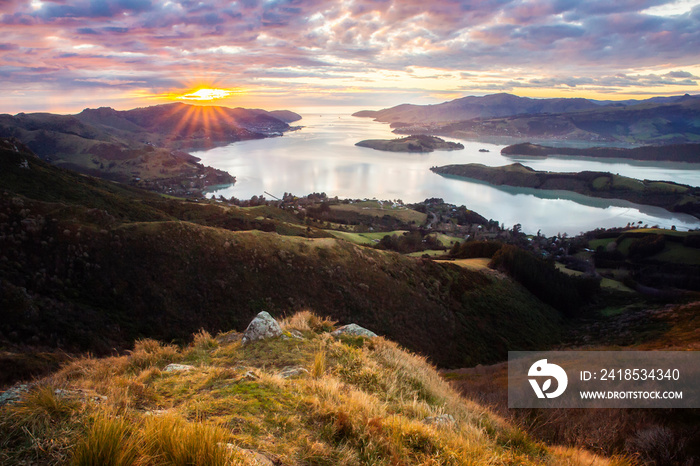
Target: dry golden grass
(306, 321)
(364, 401)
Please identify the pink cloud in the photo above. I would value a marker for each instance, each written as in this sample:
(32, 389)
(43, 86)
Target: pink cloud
(155, 44)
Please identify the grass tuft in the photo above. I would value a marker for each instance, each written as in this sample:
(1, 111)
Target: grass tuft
(307, 321)
(42, 406)
(148, 353)
(319, 366)
(171, 440)
(204, 341)
(110, 441)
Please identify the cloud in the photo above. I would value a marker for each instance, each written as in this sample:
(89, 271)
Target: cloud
(550, 43)
(92, 9)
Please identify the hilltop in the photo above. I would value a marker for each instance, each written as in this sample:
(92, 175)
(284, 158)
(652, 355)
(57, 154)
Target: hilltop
(144, 146)
(304, 396)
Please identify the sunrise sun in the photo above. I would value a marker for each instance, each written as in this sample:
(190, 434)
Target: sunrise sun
(203, 95)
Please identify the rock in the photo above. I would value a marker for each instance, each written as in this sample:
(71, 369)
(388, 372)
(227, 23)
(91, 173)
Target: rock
(260, 328)
(292, 371)
(250, 375)
(252, 456)
(293, 334)
(80, 394)
(354, 330)
(178, 368)
(440, 421)
(14, 394)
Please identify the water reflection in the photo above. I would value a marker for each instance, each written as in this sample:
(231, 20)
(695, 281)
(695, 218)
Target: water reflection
(322, 157)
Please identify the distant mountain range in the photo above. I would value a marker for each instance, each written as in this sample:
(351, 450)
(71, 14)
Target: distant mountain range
(467, 108)
(659, 120)
(144, 145)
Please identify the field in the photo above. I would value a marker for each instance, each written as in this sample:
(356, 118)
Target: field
(379, 209)
(364, 238)
(479, 263)
(604, 283)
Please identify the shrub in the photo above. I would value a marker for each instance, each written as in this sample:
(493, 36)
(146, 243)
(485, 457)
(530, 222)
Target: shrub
(472, 249)
(658, 445)
(563, 292)
(647, 246)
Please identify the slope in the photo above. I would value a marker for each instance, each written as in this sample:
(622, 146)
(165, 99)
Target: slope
(302, 398)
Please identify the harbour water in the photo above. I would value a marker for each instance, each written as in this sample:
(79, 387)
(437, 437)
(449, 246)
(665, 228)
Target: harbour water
(322, 157)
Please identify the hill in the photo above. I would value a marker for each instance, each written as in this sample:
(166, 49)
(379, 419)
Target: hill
(89, 265)
(419, 143)
(143, 146)
(467, 108)
(672, 196)
(671, 152)
(670, 120)
(643, 123)
(305, 397)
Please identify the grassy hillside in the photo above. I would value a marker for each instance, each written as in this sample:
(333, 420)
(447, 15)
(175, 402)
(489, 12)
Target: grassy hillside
(653, 436)
(89, 265)
(353, 401)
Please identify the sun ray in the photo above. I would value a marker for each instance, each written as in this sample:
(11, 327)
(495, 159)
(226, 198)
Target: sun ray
(206, 113)
(218, 120)
(184, 125)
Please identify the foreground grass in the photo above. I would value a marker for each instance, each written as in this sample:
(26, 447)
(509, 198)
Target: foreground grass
(358, 401)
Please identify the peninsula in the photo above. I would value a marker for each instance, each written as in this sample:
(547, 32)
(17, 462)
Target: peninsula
(669, 153)
(671, 196)
(415, 143)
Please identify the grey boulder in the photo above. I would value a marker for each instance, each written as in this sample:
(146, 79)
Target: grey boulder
(354, 330)
(262, 327)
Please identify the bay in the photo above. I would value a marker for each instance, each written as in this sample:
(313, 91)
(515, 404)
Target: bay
(322, 157)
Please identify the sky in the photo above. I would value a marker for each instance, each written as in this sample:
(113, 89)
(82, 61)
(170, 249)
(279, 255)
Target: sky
(62, 56)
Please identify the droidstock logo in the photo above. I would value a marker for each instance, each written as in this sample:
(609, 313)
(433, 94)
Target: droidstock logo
(542, 369)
